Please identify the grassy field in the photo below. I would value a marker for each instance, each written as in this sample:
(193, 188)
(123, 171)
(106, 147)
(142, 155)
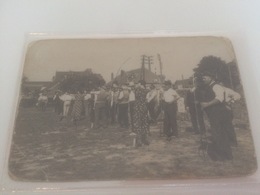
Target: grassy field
(46, 149)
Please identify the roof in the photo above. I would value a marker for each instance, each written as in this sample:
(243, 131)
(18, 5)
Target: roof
(184, 82)
(60, 75)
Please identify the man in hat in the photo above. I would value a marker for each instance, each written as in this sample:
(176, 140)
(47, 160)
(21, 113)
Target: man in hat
(123, 100)
(219, 117)
(170, 97)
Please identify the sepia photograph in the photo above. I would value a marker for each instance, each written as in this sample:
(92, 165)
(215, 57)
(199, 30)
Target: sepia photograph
(109, 109)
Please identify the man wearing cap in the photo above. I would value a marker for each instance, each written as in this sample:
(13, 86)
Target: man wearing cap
(170, 97)
(219, 118)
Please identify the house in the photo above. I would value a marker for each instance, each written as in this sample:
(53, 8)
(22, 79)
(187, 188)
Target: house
(62, 75)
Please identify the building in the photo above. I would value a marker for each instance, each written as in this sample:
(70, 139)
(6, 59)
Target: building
(35, 85)
(136, 75)
(184, 83)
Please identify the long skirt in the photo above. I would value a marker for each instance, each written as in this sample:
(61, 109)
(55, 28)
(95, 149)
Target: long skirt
(77, 110)
(141, 123)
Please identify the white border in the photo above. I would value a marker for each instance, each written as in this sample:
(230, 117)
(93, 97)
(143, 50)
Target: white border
(237, 20)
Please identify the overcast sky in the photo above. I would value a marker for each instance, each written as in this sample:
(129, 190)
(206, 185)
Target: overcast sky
(178, 55)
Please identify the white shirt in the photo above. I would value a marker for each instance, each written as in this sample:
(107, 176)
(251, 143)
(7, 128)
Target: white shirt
(170, 95)
(87, 96)
(231, 96)
(219, 92)
(43, 98)
(131, 96)
(95, 95)
(124, 96)
(66, 97)
(121, 95)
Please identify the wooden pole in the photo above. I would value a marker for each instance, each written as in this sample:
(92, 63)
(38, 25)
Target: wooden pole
(161, 65)
(143, 68)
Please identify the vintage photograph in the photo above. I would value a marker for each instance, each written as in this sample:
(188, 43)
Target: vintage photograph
(162, 108)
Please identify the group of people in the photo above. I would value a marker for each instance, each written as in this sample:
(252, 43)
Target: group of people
(136, 106)
(132, 106)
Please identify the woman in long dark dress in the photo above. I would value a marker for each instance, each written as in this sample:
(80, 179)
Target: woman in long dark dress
(77, 109)
(141, 119)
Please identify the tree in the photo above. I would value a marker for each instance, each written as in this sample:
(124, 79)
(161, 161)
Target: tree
(225, 73)
(82, 82)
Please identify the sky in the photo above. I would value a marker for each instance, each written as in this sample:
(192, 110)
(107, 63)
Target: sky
(179, 55)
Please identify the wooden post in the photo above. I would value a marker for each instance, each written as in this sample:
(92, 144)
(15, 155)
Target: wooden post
(143, 68)
(161, 65)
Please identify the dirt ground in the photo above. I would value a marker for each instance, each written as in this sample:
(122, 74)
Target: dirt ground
(46, 149)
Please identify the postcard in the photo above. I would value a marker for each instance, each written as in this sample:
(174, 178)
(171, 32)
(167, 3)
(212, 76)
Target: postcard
(109, 109)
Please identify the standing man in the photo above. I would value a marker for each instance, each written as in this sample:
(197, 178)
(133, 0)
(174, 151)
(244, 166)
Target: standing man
(92, 100)
(158, 100)
(87, 97)
(66, 98)
(101, 108)
(113, 95)
(192, 103)
(123, 106)
(219, 119)
(131, 103)
(58, 103)
(43, 101)
(151, 101)
(170, 97)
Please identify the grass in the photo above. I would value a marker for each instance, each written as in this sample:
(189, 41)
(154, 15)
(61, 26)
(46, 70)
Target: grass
(45, 149)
